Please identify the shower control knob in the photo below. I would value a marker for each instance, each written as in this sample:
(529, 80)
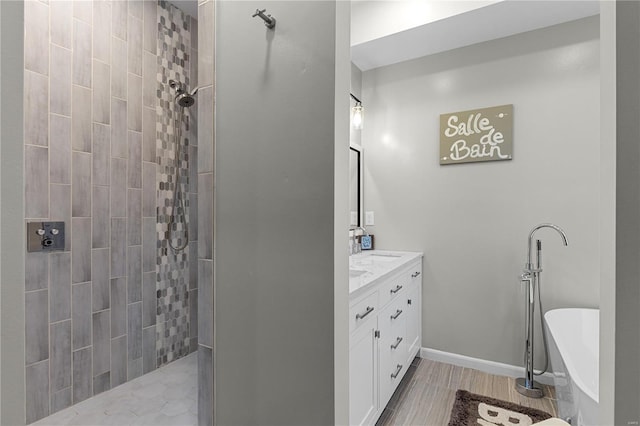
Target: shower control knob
(45, 236)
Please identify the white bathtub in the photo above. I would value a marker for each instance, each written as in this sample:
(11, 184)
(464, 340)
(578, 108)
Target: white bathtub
(573, 336)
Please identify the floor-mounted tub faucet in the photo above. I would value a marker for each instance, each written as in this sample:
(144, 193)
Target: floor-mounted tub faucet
(531, 277)
(533, 231)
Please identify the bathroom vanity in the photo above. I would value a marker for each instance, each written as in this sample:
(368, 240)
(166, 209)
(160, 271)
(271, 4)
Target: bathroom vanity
(385, 327)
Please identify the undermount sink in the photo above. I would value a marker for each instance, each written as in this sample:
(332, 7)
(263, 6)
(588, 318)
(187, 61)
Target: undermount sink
(384, 257)
(355, 273)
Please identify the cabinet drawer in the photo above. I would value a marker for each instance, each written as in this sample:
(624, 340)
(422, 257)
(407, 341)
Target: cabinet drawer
(392, 348)
(394, 287)
(415, 274)
(363, 311)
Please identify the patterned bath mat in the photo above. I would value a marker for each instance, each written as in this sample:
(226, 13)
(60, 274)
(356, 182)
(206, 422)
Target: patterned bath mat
(470, 409)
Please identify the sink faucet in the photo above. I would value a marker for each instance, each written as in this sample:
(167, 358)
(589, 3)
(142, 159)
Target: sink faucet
(355, 228)
(354, 247)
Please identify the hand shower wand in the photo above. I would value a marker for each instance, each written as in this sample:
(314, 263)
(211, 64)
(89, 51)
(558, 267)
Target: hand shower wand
(531, 276)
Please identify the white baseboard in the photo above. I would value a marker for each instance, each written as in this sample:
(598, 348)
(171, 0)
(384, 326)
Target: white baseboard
(490, 367)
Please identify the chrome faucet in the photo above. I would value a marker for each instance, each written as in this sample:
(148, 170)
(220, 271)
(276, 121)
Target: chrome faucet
(354, 247)
(531, 277)
(355, 228)
(529, 265)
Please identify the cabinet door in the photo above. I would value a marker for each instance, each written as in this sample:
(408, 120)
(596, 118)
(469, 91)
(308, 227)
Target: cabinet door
(414, 321)
(392, 349)
(363, 383)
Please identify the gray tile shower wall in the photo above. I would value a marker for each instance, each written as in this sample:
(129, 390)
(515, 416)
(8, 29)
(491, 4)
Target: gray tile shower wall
(204, 274)
(116, 303)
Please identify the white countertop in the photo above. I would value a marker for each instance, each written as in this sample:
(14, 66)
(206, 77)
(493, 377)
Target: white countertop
(371, 265)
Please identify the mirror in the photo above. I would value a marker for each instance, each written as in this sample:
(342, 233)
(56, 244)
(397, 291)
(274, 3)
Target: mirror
(355, 185)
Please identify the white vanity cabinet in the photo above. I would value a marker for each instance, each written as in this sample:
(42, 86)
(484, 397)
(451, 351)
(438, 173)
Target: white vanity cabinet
(413, 305)
(363, 356)
(385, 335)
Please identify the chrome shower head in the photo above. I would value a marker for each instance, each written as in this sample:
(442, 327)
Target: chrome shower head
(183, 97)
(185, 100)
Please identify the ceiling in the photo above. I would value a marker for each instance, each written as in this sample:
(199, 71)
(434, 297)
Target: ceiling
(491, 21)
(386, 32)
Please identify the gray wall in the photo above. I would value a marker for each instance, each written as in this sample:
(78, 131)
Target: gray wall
(0, 218)
(472, 221)
(607, 210)
(274, 220)
(341, 253)
(627, 299)
(11, 227)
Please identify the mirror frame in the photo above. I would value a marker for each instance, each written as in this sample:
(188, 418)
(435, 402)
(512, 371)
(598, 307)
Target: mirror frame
(358, 149)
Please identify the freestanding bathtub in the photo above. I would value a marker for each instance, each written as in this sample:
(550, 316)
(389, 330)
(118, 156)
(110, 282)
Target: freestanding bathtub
(573, 336)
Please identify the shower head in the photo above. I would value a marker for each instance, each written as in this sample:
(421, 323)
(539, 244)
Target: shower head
(185, 100)
(183, 97)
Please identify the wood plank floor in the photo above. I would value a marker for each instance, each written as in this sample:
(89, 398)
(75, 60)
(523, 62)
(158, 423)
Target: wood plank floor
(426, 394)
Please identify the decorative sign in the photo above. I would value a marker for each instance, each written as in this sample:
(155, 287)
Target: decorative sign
(477, 135)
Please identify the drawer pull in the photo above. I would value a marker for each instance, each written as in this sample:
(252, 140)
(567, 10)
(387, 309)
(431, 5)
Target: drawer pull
(397, 289)
(395, 373)
(367, 312)
(395, 346)
(397, 314)
(415, 275)
(408, 301)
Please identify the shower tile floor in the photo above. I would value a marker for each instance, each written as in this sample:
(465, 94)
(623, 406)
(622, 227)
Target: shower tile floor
(166, 396)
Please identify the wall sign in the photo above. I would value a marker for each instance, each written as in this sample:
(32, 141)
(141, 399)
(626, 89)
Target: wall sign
(477, 135)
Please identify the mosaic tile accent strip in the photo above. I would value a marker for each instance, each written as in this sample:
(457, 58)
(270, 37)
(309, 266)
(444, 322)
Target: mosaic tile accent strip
(172, 286)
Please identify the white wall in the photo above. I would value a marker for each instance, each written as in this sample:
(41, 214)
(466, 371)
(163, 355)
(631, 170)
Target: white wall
(472, 221)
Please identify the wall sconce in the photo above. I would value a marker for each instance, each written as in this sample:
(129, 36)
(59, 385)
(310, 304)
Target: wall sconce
(356, 113)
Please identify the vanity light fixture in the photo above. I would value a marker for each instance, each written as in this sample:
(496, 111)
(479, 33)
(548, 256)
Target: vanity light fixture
(356, 113)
